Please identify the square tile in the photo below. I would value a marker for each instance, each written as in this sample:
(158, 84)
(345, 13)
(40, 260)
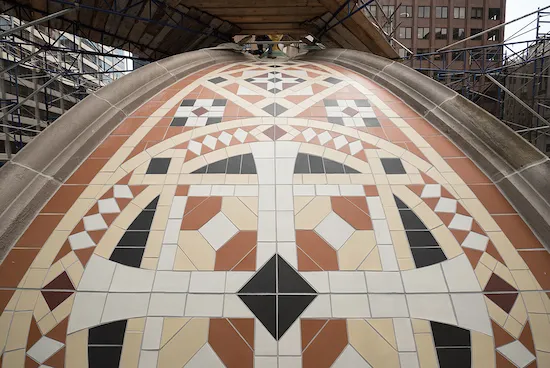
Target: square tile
(122, 191)
(334, 230)
(44, 348)
(461, 222)
(204, 305)
(81, 240)
(384, 282)
(388, 305)
(218, 230)
(475, 241)
(158, 166)
(517, 353)
(171, 282)
(424, 280)
(167, 304)
(431, 191)
(350, 306)
(347, 282)
(94, 222)
(207, 282)
(431, 307)
(446, 205)
(108, 206)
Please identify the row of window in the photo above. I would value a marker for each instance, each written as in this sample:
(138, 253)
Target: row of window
(441, 33)
(441, 12)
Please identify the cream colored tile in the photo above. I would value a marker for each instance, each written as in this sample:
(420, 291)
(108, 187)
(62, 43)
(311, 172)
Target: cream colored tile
(370, 345)
(240, 149)
(401, 244)
(161, 218)
(143, 199)
(215, 156)
(357, 164)
(69, 259)
(197, 249)
(236, 179)
(363, 179)
(75, 213)
(416, 161)
(300, 203)
(513, 327)
(76, 354)
(5, 321)
(315, 179)
(14, 358)
(524, 279)
(480, 213)
(136, 179)
(75, 272)
(253, 179)
(488, 261)
(171, 179)
(190, 179)
(464, 191)
(406, 264)
(394, 219)
(50, 249)
(213, 179)
(41, 308)
(19, 329)
(381, 179)
(421, 326)
(384, 326)
(153, 179)
(439, 163)
(131, 350)
(495, 312)
(426, 351)
(533, 302)
(406, 195)
(175, 165)
(27, 300)
(518, 312)
(356, 249)
(436, 175)
(64, 309)
(427, 215)
(372, 262)
(167, 195)
(160, 147)
(171, 327)
(453, 178)
(483, 274)
(149, 263)
(483, 350)
(13, 301)
(502, 271)
(136, 325)
(115, 177)
(540, 325)
(339, 179)
(239, 214)
(338, 156)
(312, 149)
(111, 238)
(184, 344)
(507, 251)
(313, 213)
(399, 179)
(36, 277)
(101, 178)
(154, 244)
(447, 242)
(251, 203)
(91, 191)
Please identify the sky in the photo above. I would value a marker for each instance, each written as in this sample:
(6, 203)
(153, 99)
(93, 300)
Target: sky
(518, 8)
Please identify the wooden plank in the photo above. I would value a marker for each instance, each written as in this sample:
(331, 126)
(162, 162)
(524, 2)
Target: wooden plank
(297, 10)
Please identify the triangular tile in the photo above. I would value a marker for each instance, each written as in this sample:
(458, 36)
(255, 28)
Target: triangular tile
(385, 328)
(500, 335)
(498, 284)
(263, 281)
(372, 262)
(55, 298)
(264, 308)
(504, 301)
(248, 263)
(61, 282)
(34, 334)
(473, 256)
(57, 360)
(59, 332)
(65, 249)
(29, 363)
(492, 250)
(305, 263)
(171, 327)
(290, 308)
(290, 281)
(502, 362)
(84, 255)
(244, 326)
(526, 338)
(109, 193)
(310, 328)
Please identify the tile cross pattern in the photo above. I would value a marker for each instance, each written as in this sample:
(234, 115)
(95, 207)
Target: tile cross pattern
(277, 295)
(275, 82)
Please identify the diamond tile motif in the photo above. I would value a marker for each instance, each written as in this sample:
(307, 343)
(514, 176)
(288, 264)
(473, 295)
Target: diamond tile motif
(334, 230)
(517, 353)
(275, 82)
(274, 109)
(218, 230)
(199, 112)
(350, 112)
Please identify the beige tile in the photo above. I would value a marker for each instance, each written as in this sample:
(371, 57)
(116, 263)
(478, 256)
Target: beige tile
(19, 330)
(154, 244)
(36, 277)
(64, 309)
(463, 191)
(540, 325)
(101, 178)
(27, 300)
(518, 312)
(5, 321)
(367, 179)
(406, 264)
(14, 359)
(253, 179)
(312, 149)
(483, 274)
(171, 327)
(372, 262)
(384, 326)
(313, 213)
(136, 325)
(543, 359)
(436, 175)
(75, 272)
(251, 203)
(406, 195)
(480, 213)
(428, 217)
(416, 161)
(483, 350)
(55, 270)
(507, 251)
(357, 164)
(184, 344)
(240, 149)
(213, 179)
(488, 261)
(215, 156)
(421, 326)
(502, 271)
(315, 179)
(112, 236)
(372, 347)
(153, 179)
(236, 179)
(117, 159)
(114, 178)
(13, 301)
(91, 191)
(416, 179)
(239, 214)
(513, 327)
(175, 165)
(167, 195)
(386, 196)
(182, 262)
(136, 179)
(533, 302)
(401, 244)
(524, 279)
(41, 308)
(160, 147)
(338, 156)
(447, 241)
(426, 351)
(146, 196)
(190, 179)
(161, 218)
(497, 314)
(399, 179)
(149, 263)
(50, 249)
(197, 249)
(69, 259)
(439, 163)
(300, 203)
(76, 354)
(131, 350)
(339, 179)
(356, 249)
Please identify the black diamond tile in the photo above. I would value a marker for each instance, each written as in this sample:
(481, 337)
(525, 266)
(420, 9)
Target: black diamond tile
(300, 80)
(400, 203)
(234, 164)
(143, 221)
(264, 308)
(270, 109)
(128, 256)
(152, 205)
(290, 308)
(454, 357)
(335, 120)
(302, 164)
(249, 79)
(333, 80)
(218, 167)
(107, 334)
(248, 166)
(393, 166)
(350, 170)
(210, 121)
(188, 102)
(332, 167)
(427, 256)
(178, 122)
(217, 80)
(290, 281)
(316, 165)
(362, 103)
(134, 239)
(274, 90)
(104, 356)
(330, 102)
(201, 170)
(448, 336)
(219, 102)
(411, 221)
(421, 239)
(158, 166)
(263, 281)
(371, 122)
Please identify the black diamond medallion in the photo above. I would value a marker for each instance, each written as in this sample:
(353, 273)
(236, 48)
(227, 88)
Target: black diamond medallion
(277, 295)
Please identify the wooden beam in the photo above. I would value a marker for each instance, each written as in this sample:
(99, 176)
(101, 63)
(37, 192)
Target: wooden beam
(248, 26)
(248, 3)
(267, 19)
(311, 11)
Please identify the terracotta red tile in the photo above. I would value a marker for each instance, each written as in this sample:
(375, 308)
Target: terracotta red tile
(147, 108)
(123, 202)
(110, 217)
(228, 344)
(538, 261)
(473, 256)
(110, 145)
(136, 189)
(29, 363)
(422, 127)
(109, 193)
(57, 360)
(156, 134)
(63, 199)
(5, 296)
(370, 190)
(501, 336)
(416, 188)
(444, 147)
(78, 228)
(327, 346)
(248, 263)
(39, 231)
(492, 250)
(396, 135)
(378, 132)
(15, 265)
(526, 338)
(431, 202)
(97, 234)
(173, 131)
(94, 210)
(59, 332)
(232, 252)
(461, 210)
(492, 199)
(84, 255)
(310, 328)
(128, 126)
(140, 147)
(468, 171)
(245, 327)
(317, 249)
(34, 333)
(86, 172)
(182, 190)
(517, 231)
(305, 263)
(350, 213)
(427, 179)
(201, 214)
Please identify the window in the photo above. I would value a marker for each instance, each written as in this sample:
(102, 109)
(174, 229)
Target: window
(459, 13)
(458, 55)
(477, 13)
(406, 11)
(494, 13)
(475, 31)
(458, 33)
(441, 12)
(423, 12)
(441, 33)
(372, 9)
(494, 35)
(388, 10)
(405, 32)
(423, 33)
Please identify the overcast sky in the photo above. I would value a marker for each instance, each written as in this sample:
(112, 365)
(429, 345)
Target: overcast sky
(517, 8)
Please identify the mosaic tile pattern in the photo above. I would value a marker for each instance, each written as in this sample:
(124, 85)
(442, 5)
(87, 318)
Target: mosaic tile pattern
(276, 214)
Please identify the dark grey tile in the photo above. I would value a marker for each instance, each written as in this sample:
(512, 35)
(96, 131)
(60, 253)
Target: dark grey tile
(152, 205)
(454, 357)
(450, 336)
(411, 221)
(264, 308)
(217, 80)
(332, 167)
(350, 170)
(289, 281)
(330, 102)
(270, 109)
(211, 121)
(178, 122)
(290, 308)
(421, 239)
(128, 256)
(279, 109)
(201, 170)
(302, 164)
(218, 167)
(393, 166)
(335, 120)
(248, 166)
(400, 204)
(234, 164)
(427, 256)
(333, 80)
(158, 166)
(371, 122)
(188, 102)
(107, 334)
(134, 239)
(143, 221)
(263, 281)
(104, 356)
(316, 165)
(362, 103)
(219, 102)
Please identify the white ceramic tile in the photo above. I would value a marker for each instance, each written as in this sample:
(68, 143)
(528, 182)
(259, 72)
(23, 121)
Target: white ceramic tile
(108, 205)
(291, 342)
(388, 257)
(167, 304)
(81, 240)
(459, 275)
(327, 190)
(263, 149)
(290, 361)
(384, 282)
(205, 357)
(204, 305)
(350, 358)
(424, 280)
(376, 211)
(125, 305)
(408, 360)
(264, 343)
(517, 353)
(266, 198)
(288, 251)
(207, 282)
(267, 226)
(471, 312)
(461, 222)
(94, 222)
(320, 307)
(381, 232)
(235, 280)
(234, 307)
(97, 275)
(122, 191)
(265, 362)
(148, 358)
(152, 333)
(431, 191)
(475, 241)
(86, 311)
(284, 198)
(218, 230)
(318, 280)
(171, 282)
(284, 168)
(167, 257)
(285, 226)
(404, 334)
(431, 307)
(446, 205)
(223, 190)
(301, 190)
(132, 279)
(172, 231)
(264, 252)
(44, 348)
(265, 168)
(286, 149)
(334, 230)
(351, 190)
(246, 190)
(350, 306)
(196, 190)
(388, 305)
(347, 282)
(178, 207)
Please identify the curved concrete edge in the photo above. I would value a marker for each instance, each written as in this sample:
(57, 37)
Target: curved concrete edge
(35, 173)
(520, 171)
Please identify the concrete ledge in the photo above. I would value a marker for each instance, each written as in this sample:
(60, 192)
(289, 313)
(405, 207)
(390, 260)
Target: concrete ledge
(520, 171)
(35, 173)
